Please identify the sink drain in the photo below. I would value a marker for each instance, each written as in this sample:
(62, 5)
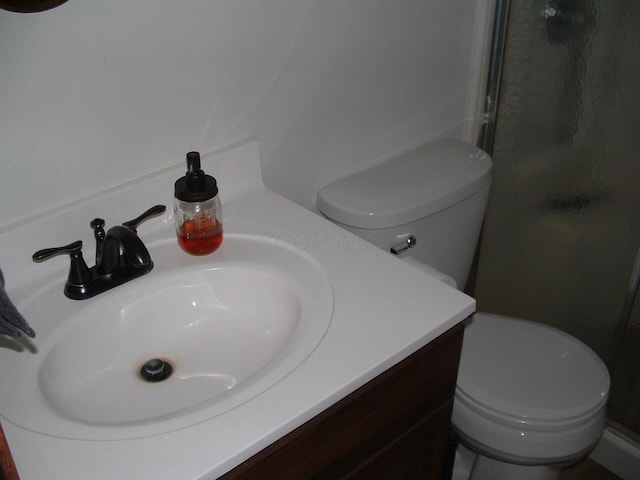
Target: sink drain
(156, 370)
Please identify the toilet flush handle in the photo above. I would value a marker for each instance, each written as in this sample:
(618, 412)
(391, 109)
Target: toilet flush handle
(409, 242)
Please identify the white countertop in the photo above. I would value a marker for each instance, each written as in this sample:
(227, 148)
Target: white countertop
(384, 310)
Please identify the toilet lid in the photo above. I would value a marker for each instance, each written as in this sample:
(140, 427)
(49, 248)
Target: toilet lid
(528, 371)
(406, 188)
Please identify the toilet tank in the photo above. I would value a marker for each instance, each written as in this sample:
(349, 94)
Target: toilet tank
(437, 194)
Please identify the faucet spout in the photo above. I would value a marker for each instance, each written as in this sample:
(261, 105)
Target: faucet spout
(122, 239)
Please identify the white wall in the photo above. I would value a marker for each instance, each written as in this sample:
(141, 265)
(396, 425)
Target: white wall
(95, 93)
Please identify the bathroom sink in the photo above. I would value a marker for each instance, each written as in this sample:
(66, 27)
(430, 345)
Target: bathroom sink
(193, 339)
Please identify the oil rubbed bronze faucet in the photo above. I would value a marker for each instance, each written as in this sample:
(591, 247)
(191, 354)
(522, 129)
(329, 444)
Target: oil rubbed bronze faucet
(121, 256)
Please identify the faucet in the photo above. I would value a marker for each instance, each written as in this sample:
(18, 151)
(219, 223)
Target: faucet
(121, 256)
(110, 244)
(12, 323)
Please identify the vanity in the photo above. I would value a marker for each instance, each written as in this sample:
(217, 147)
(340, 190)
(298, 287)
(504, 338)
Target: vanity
(328, 359)
(394, 427)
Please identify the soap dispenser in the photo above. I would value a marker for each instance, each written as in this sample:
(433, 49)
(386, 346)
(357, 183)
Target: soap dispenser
(197, 210)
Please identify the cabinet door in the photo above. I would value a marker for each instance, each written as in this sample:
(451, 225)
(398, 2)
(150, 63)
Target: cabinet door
(416, 455)
(394, 427)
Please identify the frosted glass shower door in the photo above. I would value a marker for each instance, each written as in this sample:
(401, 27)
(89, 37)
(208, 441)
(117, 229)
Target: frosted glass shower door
(563, 223)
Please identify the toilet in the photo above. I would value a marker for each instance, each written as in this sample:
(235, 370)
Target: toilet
(530, 399)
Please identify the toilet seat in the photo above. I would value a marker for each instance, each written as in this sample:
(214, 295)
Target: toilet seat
(527, 392)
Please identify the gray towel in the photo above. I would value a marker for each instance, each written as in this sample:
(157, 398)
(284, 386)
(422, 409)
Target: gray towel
(12, 323)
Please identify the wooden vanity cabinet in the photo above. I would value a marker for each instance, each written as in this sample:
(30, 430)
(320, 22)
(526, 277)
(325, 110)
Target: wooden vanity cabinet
(8, 469)
(395, 427)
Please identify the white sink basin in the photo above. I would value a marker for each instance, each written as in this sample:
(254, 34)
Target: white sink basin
(229, 326)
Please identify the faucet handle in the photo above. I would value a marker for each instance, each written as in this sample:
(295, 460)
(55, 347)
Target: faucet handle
(79, 273)
(47, 253)
(152, 212)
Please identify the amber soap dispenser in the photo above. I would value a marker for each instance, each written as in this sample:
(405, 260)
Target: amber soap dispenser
(197, 210)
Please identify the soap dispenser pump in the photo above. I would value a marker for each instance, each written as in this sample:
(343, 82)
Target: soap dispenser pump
(197, 210)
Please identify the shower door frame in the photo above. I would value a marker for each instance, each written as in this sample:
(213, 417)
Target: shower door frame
(485, 141)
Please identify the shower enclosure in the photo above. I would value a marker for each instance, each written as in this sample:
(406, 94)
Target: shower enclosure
(561, 238)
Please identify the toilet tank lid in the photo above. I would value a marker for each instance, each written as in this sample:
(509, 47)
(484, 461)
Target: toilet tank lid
(408, 187)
